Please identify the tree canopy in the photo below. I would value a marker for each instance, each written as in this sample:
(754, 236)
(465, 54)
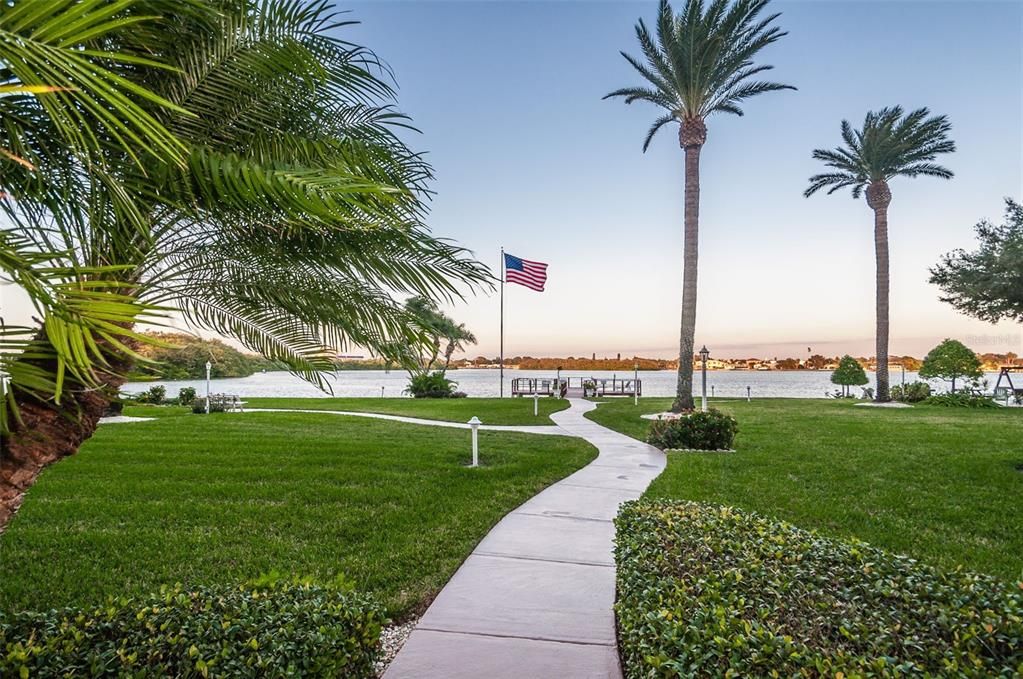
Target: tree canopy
(235, 162)
(890, 144)
(988, 282)
(951, 360)
(702, 60)
(849, 373)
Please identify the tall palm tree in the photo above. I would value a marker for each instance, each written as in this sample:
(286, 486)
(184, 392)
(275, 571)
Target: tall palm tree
(701, 63)
(890, 144)
(233, 162)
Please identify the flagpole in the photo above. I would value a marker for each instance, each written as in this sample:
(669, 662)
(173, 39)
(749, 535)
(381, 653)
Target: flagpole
(501, 360)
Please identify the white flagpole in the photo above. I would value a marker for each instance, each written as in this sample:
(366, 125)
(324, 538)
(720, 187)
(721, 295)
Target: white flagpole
(501, 360)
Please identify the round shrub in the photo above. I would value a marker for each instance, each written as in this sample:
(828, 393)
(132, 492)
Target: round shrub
(430, 385)
(914, 392)
(199, 405)
(711, 430)
(295, 629)
(709, 591)
(114, 408)
(186, 395)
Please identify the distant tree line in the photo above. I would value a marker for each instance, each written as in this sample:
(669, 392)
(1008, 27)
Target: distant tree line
(176, 356)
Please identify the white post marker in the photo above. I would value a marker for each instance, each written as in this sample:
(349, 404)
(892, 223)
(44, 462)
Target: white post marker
(704, 353)
(536, 404)
(381, 392)
(208, 366)
(475, 423)
(635, 384)
(747, 394)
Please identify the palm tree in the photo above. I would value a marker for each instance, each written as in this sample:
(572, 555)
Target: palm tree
(458, 337)
(233, 163)
(701, 63)
(890, 144)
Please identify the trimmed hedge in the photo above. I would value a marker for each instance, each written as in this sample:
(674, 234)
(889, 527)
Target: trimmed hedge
(708, 591)
(275, 631)
(711, 430)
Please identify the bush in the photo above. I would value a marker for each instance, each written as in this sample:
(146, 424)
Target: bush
(430, 385)
(186, 395)
(155, 395)
(284, 630)
(711, 430)
(199, 406)
(710, 591)
(960, 400)
(914, 392)
(114, 408)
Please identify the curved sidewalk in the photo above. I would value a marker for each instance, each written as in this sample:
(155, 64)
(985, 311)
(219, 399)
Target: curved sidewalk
(523, 429)
(535, 597)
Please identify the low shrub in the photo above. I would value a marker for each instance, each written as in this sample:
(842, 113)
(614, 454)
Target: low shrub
(199, 405)
(960, 400)
(186, 396)
(114, 408)
(156, 395)
(914, 392)
(292, 629)
(711, 591)
(430, 385)
(711, 430)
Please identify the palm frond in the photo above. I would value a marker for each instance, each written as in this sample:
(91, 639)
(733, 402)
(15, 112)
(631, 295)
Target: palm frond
(703, 59)
(890, 143)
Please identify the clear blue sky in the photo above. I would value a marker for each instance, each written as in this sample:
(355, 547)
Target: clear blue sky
(508, 98)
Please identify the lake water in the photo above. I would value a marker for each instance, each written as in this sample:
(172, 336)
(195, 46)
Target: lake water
(485, 382)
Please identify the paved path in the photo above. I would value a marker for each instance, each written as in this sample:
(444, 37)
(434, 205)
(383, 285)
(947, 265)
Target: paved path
(534, 600)
(525, 429)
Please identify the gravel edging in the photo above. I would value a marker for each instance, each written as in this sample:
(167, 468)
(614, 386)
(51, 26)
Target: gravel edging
(392, 638)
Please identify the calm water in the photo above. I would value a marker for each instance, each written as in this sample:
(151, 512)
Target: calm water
(795, 384)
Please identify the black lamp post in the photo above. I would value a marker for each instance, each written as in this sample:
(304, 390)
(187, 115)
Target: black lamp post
(704, 353)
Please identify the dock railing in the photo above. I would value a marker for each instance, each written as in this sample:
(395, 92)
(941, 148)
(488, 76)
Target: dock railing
(585, 386)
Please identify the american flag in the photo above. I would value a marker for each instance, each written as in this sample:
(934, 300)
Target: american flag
(533, 275)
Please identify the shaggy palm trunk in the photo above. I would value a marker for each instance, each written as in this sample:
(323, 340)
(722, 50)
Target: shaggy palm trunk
(878, 198)
(692, 135)
(48, 432)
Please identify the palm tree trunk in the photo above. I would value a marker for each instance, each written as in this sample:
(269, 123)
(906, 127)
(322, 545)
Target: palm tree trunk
(692, 135)
(448, 352)
(48, 432)
(878, 198)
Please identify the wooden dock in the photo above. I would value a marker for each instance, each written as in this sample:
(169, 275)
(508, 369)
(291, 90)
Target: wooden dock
(576, 387)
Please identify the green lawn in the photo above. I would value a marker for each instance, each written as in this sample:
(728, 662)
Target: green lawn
(489, 410)
(942, 485)
(226, 497)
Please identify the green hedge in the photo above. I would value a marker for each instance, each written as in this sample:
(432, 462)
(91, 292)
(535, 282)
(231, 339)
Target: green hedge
(707, 591)
(711, 430)
(275, 631)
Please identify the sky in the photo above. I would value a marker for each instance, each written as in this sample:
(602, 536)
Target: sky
(507, 98)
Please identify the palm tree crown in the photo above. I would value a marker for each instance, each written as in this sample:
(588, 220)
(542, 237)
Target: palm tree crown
(702, 62)
(890, 144)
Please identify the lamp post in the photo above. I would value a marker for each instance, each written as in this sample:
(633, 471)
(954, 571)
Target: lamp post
(903, 380)
(208, 366)
(474, 424)
(635, 384)
(704, 353)
(536, 403)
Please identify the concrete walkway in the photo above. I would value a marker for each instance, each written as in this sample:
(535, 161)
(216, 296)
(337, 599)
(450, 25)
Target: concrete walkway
(524, 429)
(535, 597)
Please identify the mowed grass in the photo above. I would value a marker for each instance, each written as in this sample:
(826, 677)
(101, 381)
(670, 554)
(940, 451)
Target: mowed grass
(224, 498)
(490, 410)
(938, 484)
